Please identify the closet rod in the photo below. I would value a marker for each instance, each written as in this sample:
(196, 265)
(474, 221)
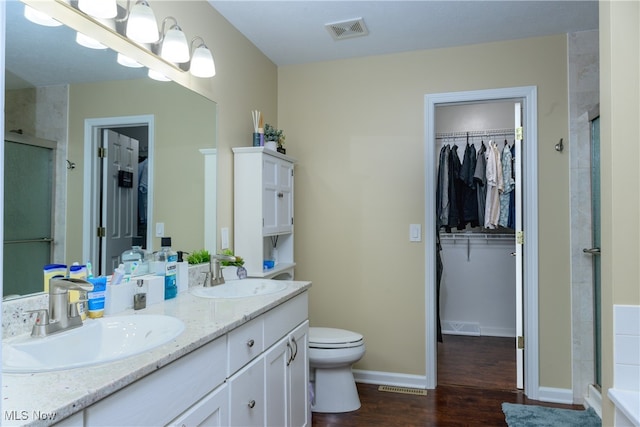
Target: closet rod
(475, 235)
(489, 133)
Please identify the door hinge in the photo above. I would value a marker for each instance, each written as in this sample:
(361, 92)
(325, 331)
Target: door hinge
(520, 342)
(101, 232)
(519, 133)
(520, 237)
(102, 152)
(291, 220)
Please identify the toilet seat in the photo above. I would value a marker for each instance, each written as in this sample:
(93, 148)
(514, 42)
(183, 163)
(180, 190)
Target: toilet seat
(334, 338)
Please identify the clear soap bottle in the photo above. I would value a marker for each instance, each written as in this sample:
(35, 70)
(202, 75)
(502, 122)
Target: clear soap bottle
(135, 260)
(166, 263)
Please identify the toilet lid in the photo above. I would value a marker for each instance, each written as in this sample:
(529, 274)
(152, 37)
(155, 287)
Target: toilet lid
(333, 338)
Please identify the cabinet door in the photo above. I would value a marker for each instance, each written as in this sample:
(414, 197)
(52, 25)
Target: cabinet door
(270, 167)
(211, 411)
(285, 197)
(277, 359)
(246, 395)
(298, 377)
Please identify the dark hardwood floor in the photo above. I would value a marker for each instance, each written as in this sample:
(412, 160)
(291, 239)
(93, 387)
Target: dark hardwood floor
(475, 376)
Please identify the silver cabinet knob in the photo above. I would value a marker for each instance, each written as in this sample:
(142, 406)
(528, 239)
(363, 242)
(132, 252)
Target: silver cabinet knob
(251, 403)
(250, 343)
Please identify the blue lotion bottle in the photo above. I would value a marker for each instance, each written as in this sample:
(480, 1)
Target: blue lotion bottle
(166, 260)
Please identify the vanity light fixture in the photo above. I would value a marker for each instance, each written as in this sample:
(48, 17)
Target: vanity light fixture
(39, 18)
(105, 9)
(142, 26)
(173, 43)
(202, 64)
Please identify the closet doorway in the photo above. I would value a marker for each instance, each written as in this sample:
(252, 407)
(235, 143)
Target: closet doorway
(476, 146)
(525, 252)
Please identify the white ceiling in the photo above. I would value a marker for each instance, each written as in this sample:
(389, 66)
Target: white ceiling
(293, 31)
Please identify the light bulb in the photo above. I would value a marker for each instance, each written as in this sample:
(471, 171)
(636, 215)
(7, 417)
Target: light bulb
(141, 25)
(39, 18)
(105, 9)
(202, 64)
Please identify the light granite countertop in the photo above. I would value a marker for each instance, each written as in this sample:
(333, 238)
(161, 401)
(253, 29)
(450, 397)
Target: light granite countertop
(45, 398)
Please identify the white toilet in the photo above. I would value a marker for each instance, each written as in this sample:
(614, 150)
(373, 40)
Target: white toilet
(331, 354)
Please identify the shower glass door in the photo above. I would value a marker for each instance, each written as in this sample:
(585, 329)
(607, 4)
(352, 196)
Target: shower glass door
(28, 215)
(595, 249)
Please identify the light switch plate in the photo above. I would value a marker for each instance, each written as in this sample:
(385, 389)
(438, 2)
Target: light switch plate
(415, 232)
(159, 229)
(224, 237)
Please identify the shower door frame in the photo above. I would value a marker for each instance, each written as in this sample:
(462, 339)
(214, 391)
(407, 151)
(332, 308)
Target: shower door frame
(528, 94)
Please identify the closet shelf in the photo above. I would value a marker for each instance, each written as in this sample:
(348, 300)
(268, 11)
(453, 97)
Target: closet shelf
(477, 236)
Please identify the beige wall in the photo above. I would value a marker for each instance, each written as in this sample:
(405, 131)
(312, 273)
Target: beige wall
(357, 129)
(620, 156)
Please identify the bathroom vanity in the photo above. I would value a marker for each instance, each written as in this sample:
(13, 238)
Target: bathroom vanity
(239, 361)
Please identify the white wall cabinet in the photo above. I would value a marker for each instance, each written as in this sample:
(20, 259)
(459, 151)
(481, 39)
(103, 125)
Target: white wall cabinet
(225, 383)
(263, 209)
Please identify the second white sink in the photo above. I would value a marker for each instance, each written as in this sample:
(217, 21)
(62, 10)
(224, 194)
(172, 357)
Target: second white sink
(240, 288)
(97, 341)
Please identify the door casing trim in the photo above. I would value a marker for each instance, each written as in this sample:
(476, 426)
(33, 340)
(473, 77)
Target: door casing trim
(92, 128)
(529, 95)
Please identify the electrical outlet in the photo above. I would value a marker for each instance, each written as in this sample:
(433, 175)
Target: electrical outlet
(159, 229)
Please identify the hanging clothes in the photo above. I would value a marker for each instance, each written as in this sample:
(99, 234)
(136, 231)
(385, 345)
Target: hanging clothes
(480, 177)
(495, 186)
(442, 191)
(470, 201)
(456, 195)
(509, 185)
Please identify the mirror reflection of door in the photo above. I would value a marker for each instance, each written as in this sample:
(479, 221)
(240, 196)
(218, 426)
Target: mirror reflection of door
(28, 213)
(119, 212)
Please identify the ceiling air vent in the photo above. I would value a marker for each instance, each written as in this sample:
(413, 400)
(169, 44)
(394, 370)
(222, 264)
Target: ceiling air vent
(347, 29)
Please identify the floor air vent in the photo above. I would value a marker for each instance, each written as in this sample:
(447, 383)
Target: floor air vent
(403, 390)
(347, 29)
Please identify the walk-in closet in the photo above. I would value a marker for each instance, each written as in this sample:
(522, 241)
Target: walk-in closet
(476, 223)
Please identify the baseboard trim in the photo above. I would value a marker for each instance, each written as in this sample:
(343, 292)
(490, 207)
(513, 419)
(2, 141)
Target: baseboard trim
(593, 399)
(555, 395)
(390, 378)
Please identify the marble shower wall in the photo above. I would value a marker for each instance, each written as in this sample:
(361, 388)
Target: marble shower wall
(584, 95)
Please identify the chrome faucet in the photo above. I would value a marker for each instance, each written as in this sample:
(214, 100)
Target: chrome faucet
(62, 314)
(214, 275)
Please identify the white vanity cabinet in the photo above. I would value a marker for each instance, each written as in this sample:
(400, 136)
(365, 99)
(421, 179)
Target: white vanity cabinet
(255, 375)
(263, 209)
(271, 389)
(287, 376)
(156, 399)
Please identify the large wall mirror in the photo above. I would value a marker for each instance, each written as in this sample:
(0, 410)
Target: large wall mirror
(62, 102)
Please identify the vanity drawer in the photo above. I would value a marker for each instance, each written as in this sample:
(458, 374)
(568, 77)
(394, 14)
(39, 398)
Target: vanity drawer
(281, 320)
(244, 344)
(166, 393)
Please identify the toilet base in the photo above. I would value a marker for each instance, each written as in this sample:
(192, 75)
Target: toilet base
(335, 391)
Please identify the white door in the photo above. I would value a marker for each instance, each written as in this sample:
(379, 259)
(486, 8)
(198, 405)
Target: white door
(519, 246)
(119, 210)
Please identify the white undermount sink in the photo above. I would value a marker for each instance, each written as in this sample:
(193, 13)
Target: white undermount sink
(97, 341)
(240, 288)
